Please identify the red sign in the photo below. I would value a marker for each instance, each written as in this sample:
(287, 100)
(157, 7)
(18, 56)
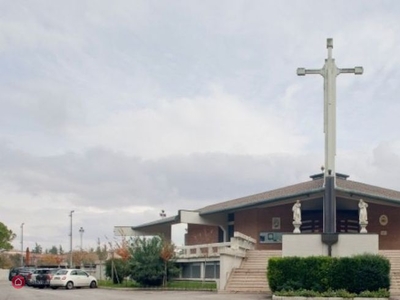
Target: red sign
(18, 281)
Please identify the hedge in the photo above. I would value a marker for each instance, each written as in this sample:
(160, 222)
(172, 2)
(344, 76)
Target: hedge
(354, 274)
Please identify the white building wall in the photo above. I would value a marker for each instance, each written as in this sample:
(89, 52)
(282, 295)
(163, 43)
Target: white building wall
(311, 245)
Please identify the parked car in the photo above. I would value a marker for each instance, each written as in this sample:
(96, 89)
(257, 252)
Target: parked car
(13, 272)
(41, 277)
(26, 273)
(70, 278)
(23, 271)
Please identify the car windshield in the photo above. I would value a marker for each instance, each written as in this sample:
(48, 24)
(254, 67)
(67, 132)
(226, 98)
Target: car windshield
(62, 272)
(27, 270)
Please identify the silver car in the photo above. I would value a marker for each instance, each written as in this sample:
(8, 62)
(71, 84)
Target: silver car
(70, 278)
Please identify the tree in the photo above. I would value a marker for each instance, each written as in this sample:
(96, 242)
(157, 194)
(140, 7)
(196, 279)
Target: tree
(5, 261)
(48, 259)
(27, 257)
(101, 251)
(102, 254)
(15, 259)
(6, 237)
(53, 250)
(167, 254)
(60, 250)
(37, 249)
(117, 269)
(151, 261)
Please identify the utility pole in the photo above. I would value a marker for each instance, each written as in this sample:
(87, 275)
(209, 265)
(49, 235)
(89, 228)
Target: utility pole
(81, 231)
(22, 244)
(70, 240)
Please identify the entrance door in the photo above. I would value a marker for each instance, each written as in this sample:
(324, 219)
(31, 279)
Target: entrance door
(346, 221)
(311, 221)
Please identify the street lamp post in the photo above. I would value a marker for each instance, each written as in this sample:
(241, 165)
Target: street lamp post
(81, 231)
(22, 244)
(70, 240)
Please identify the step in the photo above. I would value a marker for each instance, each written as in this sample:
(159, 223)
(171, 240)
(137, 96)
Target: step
(251, 276)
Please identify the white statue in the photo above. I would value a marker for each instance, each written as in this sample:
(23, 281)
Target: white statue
(297, 212)
(363, 212)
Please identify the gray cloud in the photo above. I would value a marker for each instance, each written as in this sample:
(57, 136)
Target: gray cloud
(118, 111)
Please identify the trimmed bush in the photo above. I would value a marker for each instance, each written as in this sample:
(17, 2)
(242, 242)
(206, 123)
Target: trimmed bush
(322, 273)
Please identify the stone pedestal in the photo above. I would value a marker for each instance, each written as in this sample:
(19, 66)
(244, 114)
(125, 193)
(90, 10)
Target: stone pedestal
(310, 244)
(296, 227)
(363, 226)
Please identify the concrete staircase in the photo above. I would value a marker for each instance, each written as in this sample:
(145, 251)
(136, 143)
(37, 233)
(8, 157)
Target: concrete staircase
(394, 258)
(251, 276)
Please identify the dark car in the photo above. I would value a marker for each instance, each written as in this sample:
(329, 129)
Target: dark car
(26, 273)
(41, 277)
(13, 272)
(23, 271)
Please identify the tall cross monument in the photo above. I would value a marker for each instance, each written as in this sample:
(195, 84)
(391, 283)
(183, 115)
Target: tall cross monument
(329, 72)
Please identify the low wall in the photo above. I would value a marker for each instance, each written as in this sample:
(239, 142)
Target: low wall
(323, 298)
(228, 261)
(4, 274)
(348, 244)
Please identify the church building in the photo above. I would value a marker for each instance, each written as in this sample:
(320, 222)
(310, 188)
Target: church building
(329, 214)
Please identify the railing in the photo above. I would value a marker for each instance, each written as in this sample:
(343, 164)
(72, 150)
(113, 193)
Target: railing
(203, 250)
(239, 243)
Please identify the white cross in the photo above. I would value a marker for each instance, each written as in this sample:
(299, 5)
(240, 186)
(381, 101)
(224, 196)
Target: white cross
(329, 71)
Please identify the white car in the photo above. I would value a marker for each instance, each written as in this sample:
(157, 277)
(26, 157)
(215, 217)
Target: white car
(70, 278)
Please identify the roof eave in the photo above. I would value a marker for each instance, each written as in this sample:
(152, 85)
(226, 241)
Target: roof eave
(266, 201)
(170, 220)
(369, 195)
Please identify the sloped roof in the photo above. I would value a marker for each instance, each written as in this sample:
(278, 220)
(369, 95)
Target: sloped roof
(314, 186)
(168, 220)
(368, 190)
(308, 187)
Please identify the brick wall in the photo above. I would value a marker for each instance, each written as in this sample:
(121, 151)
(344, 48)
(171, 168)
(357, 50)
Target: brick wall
(253, 221)
(201, 234)
(389, 237)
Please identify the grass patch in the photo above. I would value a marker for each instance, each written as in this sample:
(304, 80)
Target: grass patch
(124, 284)
(173, 285)
(381, 293)
(193, 285)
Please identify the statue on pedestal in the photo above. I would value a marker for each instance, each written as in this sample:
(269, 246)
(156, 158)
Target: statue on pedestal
(296, 209)
(363, 216)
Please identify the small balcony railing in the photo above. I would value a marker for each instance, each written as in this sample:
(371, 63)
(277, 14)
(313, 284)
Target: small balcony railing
(239, 243)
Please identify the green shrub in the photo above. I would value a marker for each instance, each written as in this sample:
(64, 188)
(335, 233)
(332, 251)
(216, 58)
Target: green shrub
(116, 269)
(322, 274)
(146, 265)
(334, 294)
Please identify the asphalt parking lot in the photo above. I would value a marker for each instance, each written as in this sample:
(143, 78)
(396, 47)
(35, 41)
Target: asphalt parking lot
(8, 292)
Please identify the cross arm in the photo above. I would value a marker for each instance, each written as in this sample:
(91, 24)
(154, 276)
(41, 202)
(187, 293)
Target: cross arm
(356, 70)
(303, 71)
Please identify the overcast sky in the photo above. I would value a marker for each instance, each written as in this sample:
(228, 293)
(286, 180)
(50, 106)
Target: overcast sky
(119, 109)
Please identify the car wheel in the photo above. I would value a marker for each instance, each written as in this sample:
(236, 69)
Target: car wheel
(70, 285)
(93, 285)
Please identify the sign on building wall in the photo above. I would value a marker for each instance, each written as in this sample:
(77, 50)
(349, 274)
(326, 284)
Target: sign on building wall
(270, 237)
(276, 223)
